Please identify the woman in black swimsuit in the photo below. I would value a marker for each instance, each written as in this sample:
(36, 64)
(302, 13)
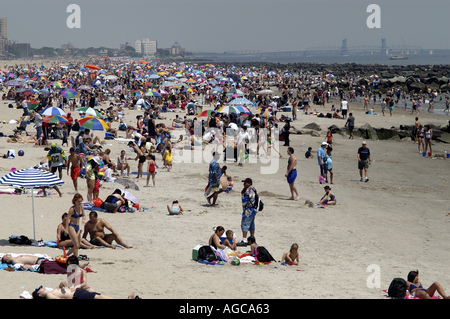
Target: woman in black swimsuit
(63, 238)
(214, 240)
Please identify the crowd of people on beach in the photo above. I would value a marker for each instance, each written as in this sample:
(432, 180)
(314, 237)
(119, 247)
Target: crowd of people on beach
(240, 119)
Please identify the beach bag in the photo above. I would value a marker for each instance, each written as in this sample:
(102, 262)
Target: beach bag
(321, 179)
(207, 253)
(97, 202)
(263, 255)
(20, 240)
(259, 205)
(397, 288)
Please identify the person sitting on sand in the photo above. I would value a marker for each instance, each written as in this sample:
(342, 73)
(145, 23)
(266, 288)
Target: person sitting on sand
(63, 238)
(214, 240)
(328, 198)
(291, 257)
(113, 202)
(415, 289)
(95, 227)
(175, 208)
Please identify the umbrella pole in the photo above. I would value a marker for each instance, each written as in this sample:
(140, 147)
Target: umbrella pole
(34, 228)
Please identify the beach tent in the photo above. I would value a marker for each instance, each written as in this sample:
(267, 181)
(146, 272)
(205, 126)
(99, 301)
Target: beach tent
(30, 178)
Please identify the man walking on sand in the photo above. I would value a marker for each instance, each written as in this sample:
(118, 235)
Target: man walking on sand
(75, 163)
(364, 161)
(291, 173)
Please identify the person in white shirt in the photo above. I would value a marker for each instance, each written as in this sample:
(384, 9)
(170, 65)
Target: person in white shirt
(107, 176)
(344, 108)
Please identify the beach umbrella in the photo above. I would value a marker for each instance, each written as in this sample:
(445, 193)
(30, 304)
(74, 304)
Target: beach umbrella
(52, 110)
(205, 113)
(93, 123)
(234, 109)
(30, 178)
(92, 67)
(89, 111)
(69, 93)
(32, 104)
(12, 83)
(54, 119)
(240, 101)
(84, 87)
(262, 92)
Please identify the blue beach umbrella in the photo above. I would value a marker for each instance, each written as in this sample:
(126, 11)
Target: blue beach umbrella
(30, 178)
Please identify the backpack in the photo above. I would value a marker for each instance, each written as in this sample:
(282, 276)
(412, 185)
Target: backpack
(259, 205)
(263, 255)
(206, 253)
(397, 288)
(19, 240)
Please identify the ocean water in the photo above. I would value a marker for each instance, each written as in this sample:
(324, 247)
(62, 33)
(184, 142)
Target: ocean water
(414, 59)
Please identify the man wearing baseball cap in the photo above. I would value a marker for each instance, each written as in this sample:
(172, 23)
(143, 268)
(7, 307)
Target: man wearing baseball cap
(248, 212)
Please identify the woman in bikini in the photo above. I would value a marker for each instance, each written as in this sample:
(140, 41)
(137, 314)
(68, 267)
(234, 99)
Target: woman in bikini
(73, 223)
(63, 238)
(415, 288)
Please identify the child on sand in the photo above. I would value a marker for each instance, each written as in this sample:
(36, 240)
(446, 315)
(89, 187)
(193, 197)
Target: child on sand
(151, 168)
(168, 158)
(251, 240)
(291, 257)
(328, 198)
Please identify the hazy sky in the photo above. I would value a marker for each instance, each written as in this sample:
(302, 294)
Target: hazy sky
(217, 25)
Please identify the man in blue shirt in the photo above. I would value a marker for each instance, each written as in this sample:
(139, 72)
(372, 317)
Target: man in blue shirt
(321, 159)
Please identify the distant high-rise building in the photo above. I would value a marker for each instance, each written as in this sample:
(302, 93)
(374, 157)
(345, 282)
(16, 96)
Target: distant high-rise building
(3, 28)
(176, 48)
(146, 47)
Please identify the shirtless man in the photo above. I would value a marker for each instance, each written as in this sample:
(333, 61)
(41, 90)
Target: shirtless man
(70, 293)
(76, 162)
(291, 173)
(139, 155)
(27, 261)
(95, 227)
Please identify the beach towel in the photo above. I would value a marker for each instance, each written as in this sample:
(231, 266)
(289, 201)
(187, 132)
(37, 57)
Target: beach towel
(211, 262)
(412, 297)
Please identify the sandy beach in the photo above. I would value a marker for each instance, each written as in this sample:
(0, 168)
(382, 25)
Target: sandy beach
(396, 222)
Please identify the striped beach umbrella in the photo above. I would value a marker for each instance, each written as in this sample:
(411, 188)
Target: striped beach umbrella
(69, 93)
(31, 178)
(89, 111)
(205, 113)
(234, 109)
(54, 119)
(93, 123)
(53, 110)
